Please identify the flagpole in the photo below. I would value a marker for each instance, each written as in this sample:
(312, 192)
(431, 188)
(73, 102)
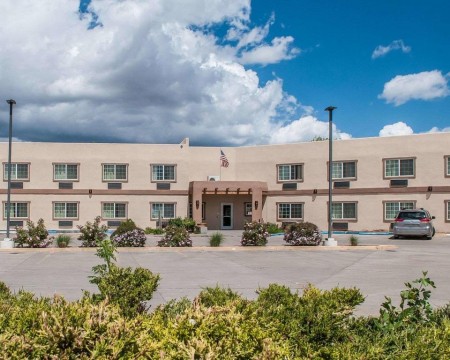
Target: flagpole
(220, 166)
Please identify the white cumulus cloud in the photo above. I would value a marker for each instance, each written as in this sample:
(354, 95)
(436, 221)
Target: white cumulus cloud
(154, 71)
(426, 85)
(305, 129)
(381, 50)
(399, 128)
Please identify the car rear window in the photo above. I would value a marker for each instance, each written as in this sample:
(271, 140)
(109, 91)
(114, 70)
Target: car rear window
(412, 215)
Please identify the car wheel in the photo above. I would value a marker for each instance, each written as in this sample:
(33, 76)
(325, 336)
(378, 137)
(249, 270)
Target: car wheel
(429, 237)
(396, 237)
(434, 232)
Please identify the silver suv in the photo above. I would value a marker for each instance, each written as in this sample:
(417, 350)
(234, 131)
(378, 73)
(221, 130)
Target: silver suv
(414, 222)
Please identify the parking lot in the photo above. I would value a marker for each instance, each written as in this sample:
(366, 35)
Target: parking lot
(377, 271)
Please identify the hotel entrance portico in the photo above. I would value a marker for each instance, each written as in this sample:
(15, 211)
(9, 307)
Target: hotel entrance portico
(228, 204)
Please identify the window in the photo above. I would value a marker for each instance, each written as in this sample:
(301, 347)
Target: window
(115, 172)
(65, 210)
(290, 211)
(248, 209)
(163, 210)
(392, 208)
(447, 166)
(291, 172)
(399, 167)
(17, 210)
(203, 211)
(448, 211)
(65, 172)
(343, 211)
(163, 172)
(18, 171)
(344, 170)
(114, 210)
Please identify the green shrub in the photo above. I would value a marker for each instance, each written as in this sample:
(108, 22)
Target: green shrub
(304, 233)
(273, 228)
(254, 234)
(150, 231)
(34, 236)
(127, 288)
(187, 223)
(175, 236)
(63, 240)
(353, 240)
(92, 233)
(217, 296)
(216, 239)
(124, 227)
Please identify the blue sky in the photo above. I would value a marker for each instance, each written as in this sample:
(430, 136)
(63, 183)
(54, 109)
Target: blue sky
(223, 73)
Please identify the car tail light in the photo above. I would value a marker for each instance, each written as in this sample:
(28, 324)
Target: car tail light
(425, 220)
(398, 220)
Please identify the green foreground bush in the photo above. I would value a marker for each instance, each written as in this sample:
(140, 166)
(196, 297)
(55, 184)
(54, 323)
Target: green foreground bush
(221, 324)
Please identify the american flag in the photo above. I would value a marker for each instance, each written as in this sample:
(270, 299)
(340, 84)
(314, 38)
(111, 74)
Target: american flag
(223, 159)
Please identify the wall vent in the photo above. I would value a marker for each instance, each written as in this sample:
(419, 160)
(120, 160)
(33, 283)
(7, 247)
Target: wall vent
(399, 183)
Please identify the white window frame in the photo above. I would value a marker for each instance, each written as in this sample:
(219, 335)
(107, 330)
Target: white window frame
(447, 211)
(299, 175)
(399, 160)
(447, 166)
(14, 205)
(115, 172)
(279, 218)
(248, 209)
(401, 205)
(65, 210)
(164, 204)
(342, 177)
(66, 165)
(190, 215)
(115, 206)
(15, 178)
(153, 166)
(343, 204)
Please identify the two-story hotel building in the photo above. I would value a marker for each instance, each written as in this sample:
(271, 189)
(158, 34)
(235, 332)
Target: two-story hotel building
(68, 184)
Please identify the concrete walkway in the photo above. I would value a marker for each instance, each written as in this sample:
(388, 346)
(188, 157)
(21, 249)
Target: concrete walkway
(377, 271)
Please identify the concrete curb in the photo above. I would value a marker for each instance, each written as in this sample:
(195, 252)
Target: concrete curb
(212, 249)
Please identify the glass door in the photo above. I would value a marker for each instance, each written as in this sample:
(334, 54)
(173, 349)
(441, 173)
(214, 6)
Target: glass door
(227, 217)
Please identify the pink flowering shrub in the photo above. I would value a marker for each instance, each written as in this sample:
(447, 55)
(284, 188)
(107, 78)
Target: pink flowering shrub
(132, 238)
(305, 233)
(175, 236)
(34, 236)
(255, 234)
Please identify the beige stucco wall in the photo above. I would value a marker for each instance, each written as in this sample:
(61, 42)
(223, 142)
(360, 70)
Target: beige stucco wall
(253, 163)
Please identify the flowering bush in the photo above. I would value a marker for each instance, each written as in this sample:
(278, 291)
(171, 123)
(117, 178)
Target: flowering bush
(35, 236)
(255, 234)
(305, 233)
(175, 236)
(92, 233)
(133, 238)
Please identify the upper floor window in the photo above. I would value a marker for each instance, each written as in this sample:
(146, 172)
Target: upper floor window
(114, 210)
(290, 211)
(19, 171)
(447, 166)
(162, 210)
(343, 211)
(399, 168)
(65, 172)
(65, 210)
(163, 172)
(290, 172)
(115, 172)
(391, 208)
(344, 170)
(17, 210)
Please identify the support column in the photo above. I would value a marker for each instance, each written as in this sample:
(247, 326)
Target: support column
(257, 204)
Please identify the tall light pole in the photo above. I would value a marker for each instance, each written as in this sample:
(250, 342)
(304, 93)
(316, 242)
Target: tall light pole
(11, 102)
(330, 109)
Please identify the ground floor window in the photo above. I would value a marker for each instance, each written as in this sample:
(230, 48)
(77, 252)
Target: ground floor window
(448, 210)
(162, 210)
(114, 210)
(392, 208)
(248, 209)
(65, 210)
(17, 210)
(343, 211)
(203, 211)
(292, 211)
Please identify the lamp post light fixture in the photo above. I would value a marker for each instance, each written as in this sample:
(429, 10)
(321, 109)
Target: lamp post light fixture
(330, 240)
(8, 242)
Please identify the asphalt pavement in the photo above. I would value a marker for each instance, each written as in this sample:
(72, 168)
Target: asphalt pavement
(379, 266)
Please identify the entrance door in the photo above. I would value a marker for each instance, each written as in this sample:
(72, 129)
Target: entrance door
(227, 217)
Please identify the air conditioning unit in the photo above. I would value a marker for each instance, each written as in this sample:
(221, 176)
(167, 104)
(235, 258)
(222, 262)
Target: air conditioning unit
(213, 178)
